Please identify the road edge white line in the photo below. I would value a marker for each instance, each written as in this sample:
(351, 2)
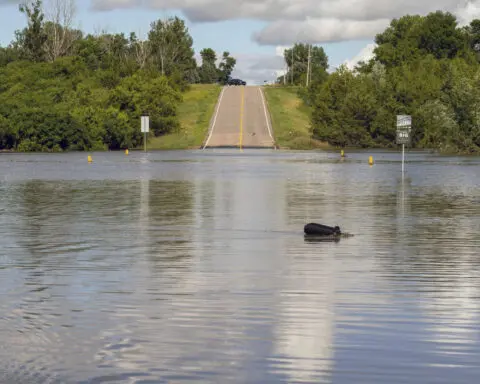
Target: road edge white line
(266, 115)
(215, 117)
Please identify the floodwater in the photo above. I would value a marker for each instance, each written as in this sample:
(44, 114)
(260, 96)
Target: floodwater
(184, 266)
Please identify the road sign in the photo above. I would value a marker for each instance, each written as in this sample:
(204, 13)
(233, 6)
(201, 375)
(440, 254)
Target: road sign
(403, 135)
(404, 128)
(145, 124)
(404, 121)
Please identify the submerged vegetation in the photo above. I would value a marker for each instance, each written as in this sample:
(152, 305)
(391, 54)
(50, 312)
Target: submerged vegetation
(424, 66)
(61, 89)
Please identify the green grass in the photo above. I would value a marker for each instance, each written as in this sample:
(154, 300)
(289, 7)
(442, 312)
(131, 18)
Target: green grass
(194, 113)
(290, 119)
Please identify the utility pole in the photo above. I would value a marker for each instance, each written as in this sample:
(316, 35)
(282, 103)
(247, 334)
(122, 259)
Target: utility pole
(309, 60)
(291, 66)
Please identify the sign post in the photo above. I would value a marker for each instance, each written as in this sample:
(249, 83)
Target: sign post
(404, 128)
(145, 127)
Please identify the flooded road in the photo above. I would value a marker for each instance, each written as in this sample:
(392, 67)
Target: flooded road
(192, 266)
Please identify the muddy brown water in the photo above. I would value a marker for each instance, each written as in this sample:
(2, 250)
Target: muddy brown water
(192, 266)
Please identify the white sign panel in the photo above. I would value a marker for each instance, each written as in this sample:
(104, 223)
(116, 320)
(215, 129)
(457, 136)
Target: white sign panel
(404, 121)
(145, 124)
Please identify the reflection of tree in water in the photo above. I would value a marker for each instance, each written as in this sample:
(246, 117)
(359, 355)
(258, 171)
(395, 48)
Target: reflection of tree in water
(82, 249)
(436, 250)
(57, 222)
(171, 202)
(191, 322)
(57, 238)
(56, 218)
(52, 215)
(60, 226)
(437, 228)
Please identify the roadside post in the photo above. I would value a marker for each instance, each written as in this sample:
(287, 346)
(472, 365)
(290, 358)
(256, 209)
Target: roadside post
(404, 129)
(145, 128)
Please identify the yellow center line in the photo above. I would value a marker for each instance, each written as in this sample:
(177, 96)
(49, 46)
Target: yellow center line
(242, 105)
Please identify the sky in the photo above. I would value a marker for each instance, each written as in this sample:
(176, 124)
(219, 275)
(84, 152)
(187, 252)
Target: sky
(255, 32)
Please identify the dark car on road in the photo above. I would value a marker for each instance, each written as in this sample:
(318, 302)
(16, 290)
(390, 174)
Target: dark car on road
(236, 82)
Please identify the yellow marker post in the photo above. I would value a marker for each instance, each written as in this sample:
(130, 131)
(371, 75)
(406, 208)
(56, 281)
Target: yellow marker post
(126, 152)
(342, 153)
(89, 159)
(370, 160)
(242, 106)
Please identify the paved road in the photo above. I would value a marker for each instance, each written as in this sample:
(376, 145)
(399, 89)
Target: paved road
(240, 120)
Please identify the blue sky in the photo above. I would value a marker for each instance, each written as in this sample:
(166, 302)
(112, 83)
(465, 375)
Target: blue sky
(252, 30)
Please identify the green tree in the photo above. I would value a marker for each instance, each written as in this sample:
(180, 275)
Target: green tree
(58, 28)
(439, 36)
(171, 46)
(8, 135)
(297, 62)
(471, 34)
(462, 92)
(437, 120)
(9, 55)
(208, 70)
(140, 94)
(139, 51)
(423, 66)
(399, 42)
(226, 66)
(328, 118)
(61, 90)
(32, 39)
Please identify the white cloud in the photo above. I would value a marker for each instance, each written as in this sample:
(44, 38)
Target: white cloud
(320, 20)
(364, 55)
(280, 50)
(468, 12)
(212, 10)
(255, 68)
(318, 30)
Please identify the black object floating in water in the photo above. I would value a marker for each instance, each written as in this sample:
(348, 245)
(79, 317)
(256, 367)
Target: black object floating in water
(321, 230)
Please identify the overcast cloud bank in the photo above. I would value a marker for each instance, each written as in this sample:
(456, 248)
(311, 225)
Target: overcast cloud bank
(289, 21)
(314, 21)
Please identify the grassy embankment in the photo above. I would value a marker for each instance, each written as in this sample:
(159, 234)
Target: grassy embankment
(194, 113)
(290, 119)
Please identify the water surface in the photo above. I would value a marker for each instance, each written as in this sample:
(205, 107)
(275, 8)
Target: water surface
(192, 266)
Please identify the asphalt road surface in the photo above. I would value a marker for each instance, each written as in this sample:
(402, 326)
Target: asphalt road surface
(240, 120)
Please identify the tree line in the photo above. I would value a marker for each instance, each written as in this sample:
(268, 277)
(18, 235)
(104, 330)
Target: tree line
(423, 66)
(62, 89)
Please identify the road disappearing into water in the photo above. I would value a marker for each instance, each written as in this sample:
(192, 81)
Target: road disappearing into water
(241, 119)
